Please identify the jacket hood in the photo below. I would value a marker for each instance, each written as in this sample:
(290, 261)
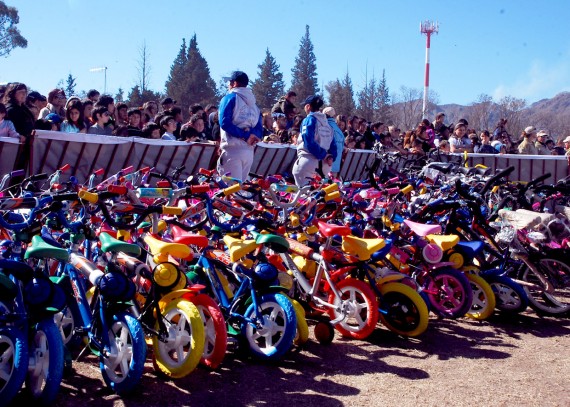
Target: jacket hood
(245, 94)
(321, 117)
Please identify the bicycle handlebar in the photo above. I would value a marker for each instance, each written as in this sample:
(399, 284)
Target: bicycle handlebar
(504, 173)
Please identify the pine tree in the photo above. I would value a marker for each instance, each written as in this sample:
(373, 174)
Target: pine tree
(134, 98)
(367, 101)
(383, 106)
(304, 73)
(120, 96)
(70, 85)
(200, 87)
(10, 36)
(341, 96)
(176, 83)
(269, 86)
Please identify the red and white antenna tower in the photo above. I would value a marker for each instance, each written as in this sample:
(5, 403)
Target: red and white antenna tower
(428, 28)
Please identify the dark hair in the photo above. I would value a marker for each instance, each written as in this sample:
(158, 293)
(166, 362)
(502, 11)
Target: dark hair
(98, 111)
(290, 93)
(121, 105)
(80, 124)
(149, 128)
(93, 93)
(133, 110)
(375, 125)
(164, 121)
(54, 93)
(486, 132)
(42, 124)
(195, 108)
(86, 102)
(105, 100)
(174, 110)
(439, 115)
(2, 108)
(194, 118)
(10, 94)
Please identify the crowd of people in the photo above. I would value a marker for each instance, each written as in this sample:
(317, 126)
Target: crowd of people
(21, 112)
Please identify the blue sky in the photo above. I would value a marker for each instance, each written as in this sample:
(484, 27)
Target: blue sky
(497, 47)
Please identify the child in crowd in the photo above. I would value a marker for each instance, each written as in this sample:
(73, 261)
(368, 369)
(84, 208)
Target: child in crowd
(101, 116)
(7, 128)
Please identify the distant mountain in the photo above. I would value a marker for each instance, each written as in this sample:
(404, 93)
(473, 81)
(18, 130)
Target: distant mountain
(548, 114)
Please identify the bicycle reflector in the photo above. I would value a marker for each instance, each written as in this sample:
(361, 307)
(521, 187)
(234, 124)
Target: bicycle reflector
(168, 277)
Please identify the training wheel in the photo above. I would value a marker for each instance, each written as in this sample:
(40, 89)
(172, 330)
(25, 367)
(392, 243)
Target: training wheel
(324, 332)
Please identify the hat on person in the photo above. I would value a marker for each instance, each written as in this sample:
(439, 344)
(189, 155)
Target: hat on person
(54, 118)
(497, 145)
(313, 100)
(34, 95)
(239, 77)
(167, 101)
(329, 111)
(566, 140)
(530, 130)
(542, 133)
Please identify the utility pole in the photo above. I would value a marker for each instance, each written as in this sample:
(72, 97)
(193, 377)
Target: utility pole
(428, 28)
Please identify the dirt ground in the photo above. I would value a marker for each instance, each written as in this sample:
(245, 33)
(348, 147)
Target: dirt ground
(506, 361)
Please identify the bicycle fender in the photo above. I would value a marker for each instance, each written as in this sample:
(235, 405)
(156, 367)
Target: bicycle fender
(173, 295)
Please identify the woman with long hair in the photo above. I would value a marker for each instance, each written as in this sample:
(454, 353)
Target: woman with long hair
(74, 122)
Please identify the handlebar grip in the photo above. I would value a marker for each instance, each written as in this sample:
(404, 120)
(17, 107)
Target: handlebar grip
(88, 196)
(171, 210)
(392, 180)
(538, 180)
(495, 177)
(284, 188)
(203, 171)
(39, 177)
(17, 173)
(392, 191)
(407, 189)
(128, 170)
(144, 170)
(330, 188)
(99, 172)
(231, 190)
(117, 189)
(65, 168)
(198, 189)
(332, 196)
(71, 196)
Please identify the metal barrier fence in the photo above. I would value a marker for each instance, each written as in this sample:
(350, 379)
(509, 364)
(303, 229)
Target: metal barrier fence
(87, 153)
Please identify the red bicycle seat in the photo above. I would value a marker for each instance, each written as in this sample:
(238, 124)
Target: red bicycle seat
(180, 235)
(329, 230)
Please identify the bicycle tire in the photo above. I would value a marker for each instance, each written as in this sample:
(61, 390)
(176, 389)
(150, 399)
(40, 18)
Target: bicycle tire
(302, 335)
(403, 310)
(45, 368)
(363, 314)
(278, 327)
(484, 302)
(449, 293)
(182, 350)
(215, 331)
(122, 377)
(13, 362)
(557, 272)
(510, 296)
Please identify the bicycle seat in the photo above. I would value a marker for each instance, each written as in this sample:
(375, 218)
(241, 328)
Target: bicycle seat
(422, 229)
(158, 247)
(110, 244)
(41, 249)
(445, 242)
(330, 230)
(361, 248)
(239, 248)
(470, 249)
(184, 237)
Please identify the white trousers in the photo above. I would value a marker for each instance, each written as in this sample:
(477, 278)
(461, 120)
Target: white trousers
(235, 162)
(305, 168)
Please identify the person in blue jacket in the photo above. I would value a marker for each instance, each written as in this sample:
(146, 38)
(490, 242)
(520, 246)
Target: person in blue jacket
(316, 149)
(338, 139)
(240, 128)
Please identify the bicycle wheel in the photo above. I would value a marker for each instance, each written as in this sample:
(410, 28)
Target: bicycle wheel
(13, 362)
(215, 331)
(123, 362)
(302, 335)
(555, 301)
(403, 310)
(180, 353)
(357, 309)
(484, 302)
(275, 327)
(45, 368)
(449, 293)
(510, 296)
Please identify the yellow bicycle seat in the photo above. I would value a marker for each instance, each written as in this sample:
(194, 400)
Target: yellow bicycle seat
(239, 248)
(158, 247)
(445, 242)
(361, 248)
